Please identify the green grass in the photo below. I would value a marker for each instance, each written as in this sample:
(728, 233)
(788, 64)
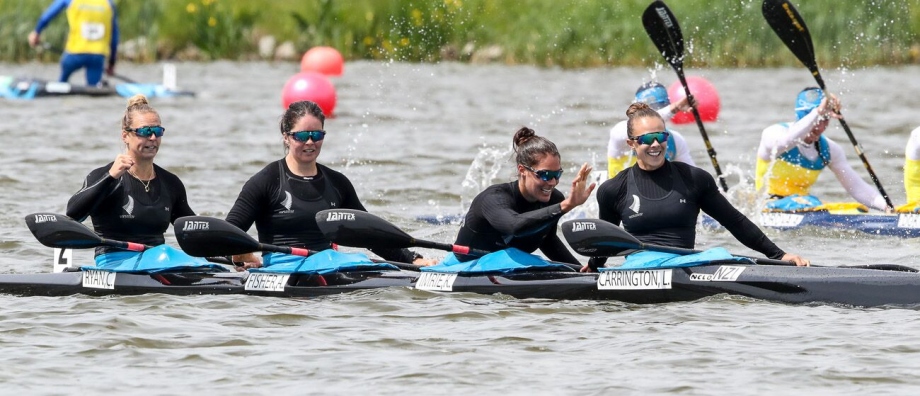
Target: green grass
(566, 33)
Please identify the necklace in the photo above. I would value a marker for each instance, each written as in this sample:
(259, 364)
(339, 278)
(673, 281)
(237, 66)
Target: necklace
(146, 183)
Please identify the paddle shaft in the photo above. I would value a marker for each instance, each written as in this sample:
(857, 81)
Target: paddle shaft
(788, 25)
(662, 27)
(699, 123)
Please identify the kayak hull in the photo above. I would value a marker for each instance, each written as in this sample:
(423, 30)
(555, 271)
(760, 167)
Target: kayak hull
(864, 286)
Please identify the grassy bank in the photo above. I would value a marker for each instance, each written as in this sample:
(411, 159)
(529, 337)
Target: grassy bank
(567, 33)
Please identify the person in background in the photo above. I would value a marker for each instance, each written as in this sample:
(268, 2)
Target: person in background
(92, 36)
(792, 155)
(658, 201)
(912, 173)
(283, 198)
(132, 199)
(525, 213)
(619, 153)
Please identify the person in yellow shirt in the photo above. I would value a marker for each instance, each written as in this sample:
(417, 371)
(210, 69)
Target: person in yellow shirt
(912, 173)
(792, 155)
(91, 38)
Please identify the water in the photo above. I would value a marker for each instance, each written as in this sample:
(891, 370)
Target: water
(418, 140)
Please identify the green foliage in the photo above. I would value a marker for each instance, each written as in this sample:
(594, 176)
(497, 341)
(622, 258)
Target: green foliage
(566, 33)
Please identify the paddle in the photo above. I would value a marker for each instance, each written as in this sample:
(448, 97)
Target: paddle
(785, 20)
(361, 229)
(59, 231)
(599, 238)
(662, 28)
(204, 236)
(209, 236)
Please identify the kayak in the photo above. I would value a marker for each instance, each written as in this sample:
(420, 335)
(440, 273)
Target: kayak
(672, 275)
(903, 225)
(864, 286)
(31, 88)
(861, 286)
(97, 283)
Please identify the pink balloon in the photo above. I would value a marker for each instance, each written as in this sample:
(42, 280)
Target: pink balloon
(310, 86)
(707, 99)
(324, 60)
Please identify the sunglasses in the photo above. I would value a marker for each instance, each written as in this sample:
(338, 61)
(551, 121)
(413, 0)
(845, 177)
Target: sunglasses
(303, 136)
(147, 131)
(651, 137)
(545, 175)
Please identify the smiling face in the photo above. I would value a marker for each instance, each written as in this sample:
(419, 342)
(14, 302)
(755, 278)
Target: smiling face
(648, 156)
(142, 148)
(304, 152)
(532, 187)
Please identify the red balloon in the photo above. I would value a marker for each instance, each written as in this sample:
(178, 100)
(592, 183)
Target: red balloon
(707, 100)
(325, 60)
(310, 86)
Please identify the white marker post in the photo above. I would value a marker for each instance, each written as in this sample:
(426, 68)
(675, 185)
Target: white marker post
(169, 76)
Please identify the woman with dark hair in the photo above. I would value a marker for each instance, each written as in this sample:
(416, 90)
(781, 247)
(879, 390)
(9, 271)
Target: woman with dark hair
(524, 214)
(284, 197)
(658, 201)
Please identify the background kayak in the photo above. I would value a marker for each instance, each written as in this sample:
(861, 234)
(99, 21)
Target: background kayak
(32, 88)
(421, 139)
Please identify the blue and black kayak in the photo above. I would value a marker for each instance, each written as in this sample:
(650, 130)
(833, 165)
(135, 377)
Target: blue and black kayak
(31, 88)
(674, 276)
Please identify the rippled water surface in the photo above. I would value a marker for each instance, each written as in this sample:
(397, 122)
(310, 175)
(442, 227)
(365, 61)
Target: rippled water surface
(422, 140)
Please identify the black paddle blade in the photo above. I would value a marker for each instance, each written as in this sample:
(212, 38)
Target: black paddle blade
(350, 227)
(203, 236)
(598, 238)
(662, 28)
(60, 231)
(785, 20)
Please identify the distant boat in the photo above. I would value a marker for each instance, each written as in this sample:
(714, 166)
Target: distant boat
(30, 88)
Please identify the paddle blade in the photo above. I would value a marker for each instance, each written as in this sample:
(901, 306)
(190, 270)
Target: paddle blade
(785, 20)
(361, 229)
(598, 238)
(662, 28)
(203, 236)
(60, 231)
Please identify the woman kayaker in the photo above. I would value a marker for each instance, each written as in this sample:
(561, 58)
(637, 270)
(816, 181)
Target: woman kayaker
(658, 201)
(620, 155)
(283, 198)
(524, 214)
(132, 199)
(792, 155)
(912, 173)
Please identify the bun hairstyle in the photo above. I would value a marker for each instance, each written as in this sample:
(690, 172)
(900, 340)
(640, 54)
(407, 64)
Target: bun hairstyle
(636, 111)
(530, 148)
(298, 110)
(136, 104)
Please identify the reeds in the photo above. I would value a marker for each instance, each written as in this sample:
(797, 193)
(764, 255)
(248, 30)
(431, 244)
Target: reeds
(566, 33)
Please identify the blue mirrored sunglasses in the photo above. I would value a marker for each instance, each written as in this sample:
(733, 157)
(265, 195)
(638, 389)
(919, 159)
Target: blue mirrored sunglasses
(147, 131)
(651, 137)
(545, 175)
(303, 136)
